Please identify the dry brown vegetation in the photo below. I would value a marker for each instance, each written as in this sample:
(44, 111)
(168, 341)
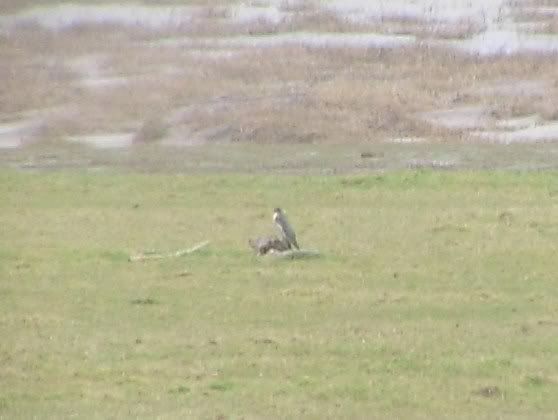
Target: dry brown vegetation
(280, 94)
(260, 95)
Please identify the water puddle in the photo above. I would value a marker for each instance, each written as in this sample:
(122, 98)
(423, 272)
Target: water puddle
(88, 65)
(477, 121)
(214, 54)
(10, 135)
(481, 11)
(104, 82)
(461, 118)
(519, 123)
(93, 72)
(306, 39)
(243, 14)
(493, 26)
(70, 15)
(539, 133)
(16, 133)
(540, 11)
(504, 42)
(105, 141)
(66, 16)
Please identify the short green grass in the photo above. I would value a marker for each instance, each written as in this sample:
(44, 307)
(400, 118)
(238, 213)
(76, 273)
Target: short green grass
(435, 297)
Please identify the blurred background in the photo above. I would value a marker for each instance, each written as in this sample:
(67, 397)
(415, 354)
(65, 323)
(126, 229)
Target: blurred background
(279, 85)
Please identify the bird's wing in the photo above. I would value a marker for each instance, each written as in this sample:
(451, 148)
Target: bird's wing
(281, 228)
(289, 233)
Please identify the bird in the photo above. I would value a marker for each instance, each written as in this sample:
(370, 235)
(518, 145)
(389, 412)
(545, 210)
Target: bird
(285, 228)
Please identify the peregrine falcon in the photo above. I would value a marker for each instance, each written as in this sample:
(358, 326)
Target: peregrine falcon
(285, 228)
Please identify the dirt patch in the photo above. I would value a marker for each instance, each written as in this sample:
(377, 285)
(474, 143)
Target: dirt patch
(489, 392)
(144, 301)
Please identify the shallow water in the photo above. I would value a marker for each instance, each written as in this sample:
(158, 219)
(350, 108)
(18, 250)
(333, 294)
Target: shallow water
(307, 39)
(247, 14)
(477, 121)
(466, 117)
(14, 134)
(151, 17)
(105, 141)
(505, 42)
(538, 133)
(500, 33)
(481, 11)
(104, 82)
(70, 15)
(520, 122)
(541, 11)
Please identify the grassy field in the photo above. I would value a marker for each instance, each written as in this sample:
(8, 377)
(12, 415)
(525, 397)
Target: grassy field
(435, 297)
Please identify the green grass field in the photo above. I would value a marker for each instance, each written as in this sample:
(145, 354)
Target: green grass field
(435, 297)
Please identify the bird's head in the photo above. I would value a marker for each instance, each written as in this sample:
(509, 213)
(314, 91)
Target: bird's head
(277, 210)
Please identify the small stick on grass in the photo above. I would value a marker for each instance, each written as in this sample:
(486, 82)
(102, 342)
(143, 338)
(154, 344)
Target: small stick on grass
(179, 253)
